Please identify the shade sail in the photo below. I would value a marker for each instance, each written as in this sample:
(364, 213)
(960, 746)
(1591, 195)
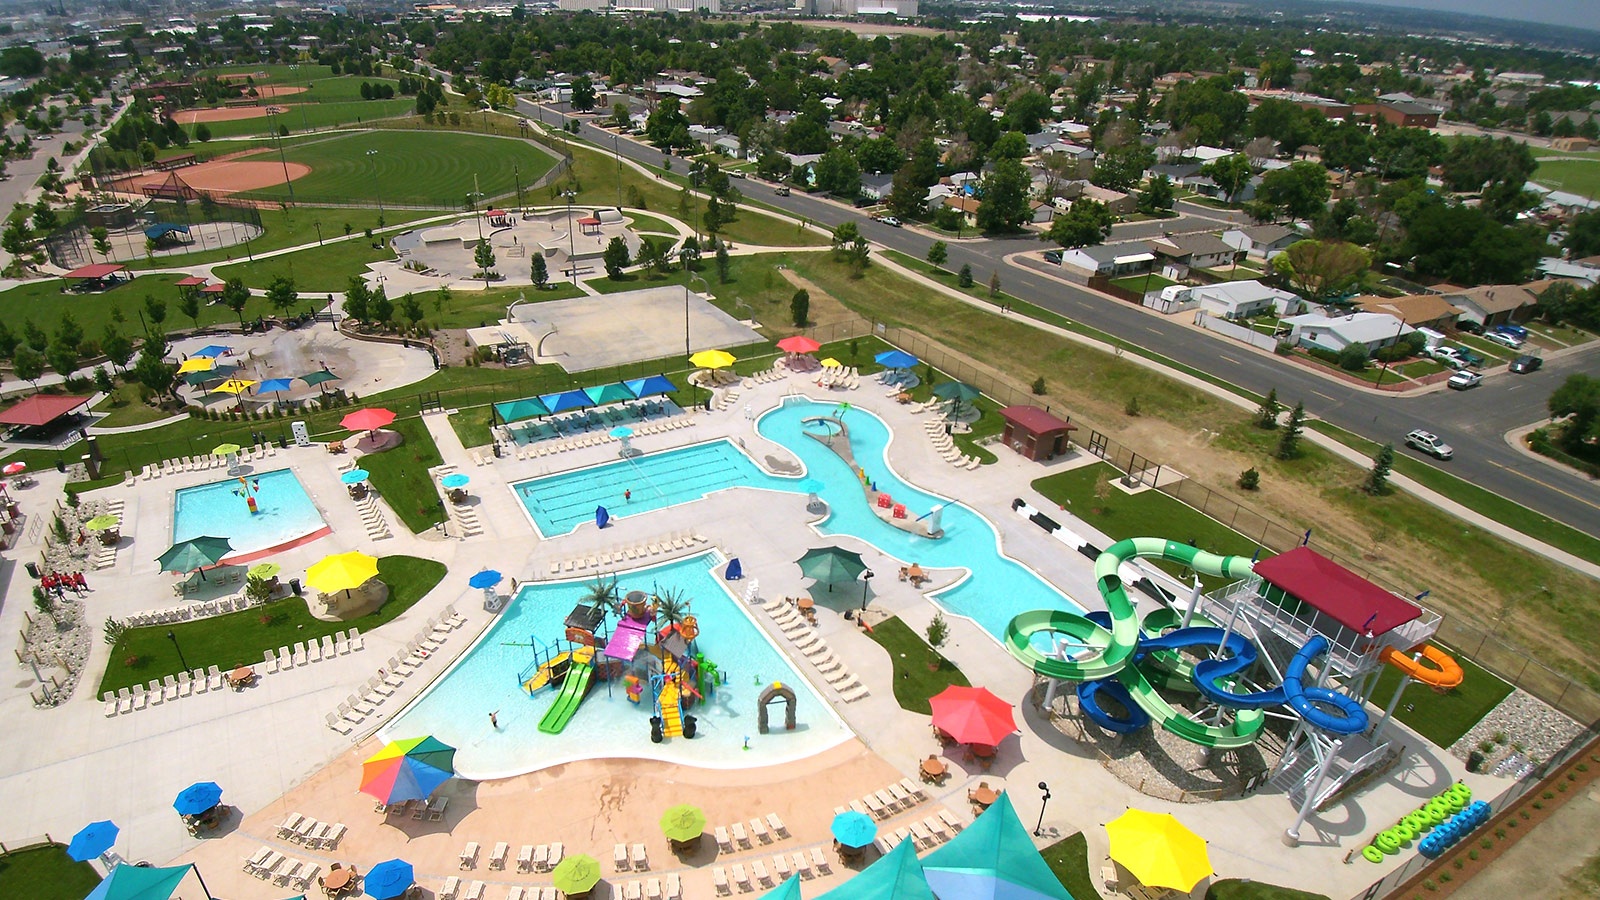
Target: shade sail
(1158, 849)
(799, 343)
(138, 883)
(610, 393)
(342, 571)
(197, 364)
(316, 378)
(367, 419)
(647, 387)
(896, 876)
(517, 410)
(895, 359)
(95, 270)
(186, 556)
(788, 890)
(683, 822)
(831, 565)
(235, 386)
(41, 409)
(713, 359)
(994, 858)
(576, 874)
(566, 400)
(213, 350)
(972, 715)
(274, 385)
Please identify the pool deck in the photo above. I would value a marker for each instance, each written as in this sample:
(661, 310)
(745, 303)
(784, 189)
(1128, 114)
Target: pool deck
(267, 746)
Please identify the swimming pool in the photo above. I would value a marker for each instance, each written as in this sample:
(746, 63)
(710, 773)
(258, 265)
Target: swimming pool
(284, 513)
(484, 680)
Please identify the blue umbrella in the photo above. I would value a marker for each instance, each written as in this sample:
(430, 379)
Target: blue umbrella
(355, 476)
(213, 351)
(566, 400)
(601, 517)
(854, 829)
(388, 879)
(455, 480)
(734, 572)
(655, 384)
(487, 578)
(197, 798)
(895, 359)
(622, 431)
(95, 839)
(274, 385)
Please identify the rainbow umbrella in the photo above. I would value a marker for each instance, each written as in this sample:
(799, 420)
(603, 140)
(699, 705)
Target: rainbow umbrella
(410, 769)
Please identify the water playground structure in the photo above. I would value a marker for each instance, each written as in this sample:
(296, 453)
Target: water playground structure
(657, 666)
(1296, 637)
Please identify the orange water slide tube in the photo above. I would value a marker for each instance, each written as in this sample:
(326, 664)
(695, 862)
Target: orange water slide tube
(1436, 668)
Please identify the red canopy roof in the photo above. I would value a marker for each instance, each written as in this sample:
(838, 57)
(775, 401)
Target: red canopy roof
(1351, 600)
(1036, 420)
(217, 288)
(192, 279)
(588, 220)
(98, 270)
(41, 409)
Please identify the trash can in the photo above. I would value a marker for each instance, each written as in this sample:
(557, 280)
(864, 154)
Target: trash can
(33, 570)
(294, 586)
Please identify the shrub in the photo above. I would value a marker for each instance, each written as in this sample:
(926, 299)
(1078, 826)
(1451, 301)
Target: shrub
(1548, 795)
(1353, 358)
(938, 631)
(114, 630)
(1132, 406)
(1250, 480)
(1038, 386)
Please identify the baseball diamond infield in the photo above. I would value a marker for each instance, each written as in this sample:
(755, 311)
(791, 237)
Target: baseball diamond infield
(221, 177)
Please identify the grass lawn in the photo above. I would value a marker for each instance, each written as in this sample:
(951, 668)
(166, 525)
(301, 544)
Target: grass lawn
(288, 228)
(411, 168)
(1069, 859)
(303, 116)
(1443, 717)
(45, 873)
(400, 474)
(328, 88)
(125, 406)
(275, 73)
(1560, 335)
(240, 638)
(472, 309)
(644, 223)
(320, 269)
(1140, 284)
(634, 279)
(1419, 368)
(1489, 349)
(919, 670)
(1570, 175)
(44, 303)
(1235, 889)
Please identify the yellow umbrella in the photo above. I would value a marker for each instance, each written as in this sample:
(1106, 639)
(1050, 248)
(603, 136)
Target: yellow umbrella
(197, 364)
(1158, 849)
(831, 363)
(712, 359)
(342, 571)
(235, 386)
(225, 449)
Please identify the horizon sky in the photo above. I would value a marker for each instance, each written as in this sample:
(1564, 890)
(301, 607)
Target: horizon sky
(1576, 13)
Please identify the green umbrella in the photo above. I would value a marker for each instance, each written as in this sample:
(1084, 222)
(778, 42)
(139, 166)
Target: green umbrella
(102, 523)
(609, 393)
(683, 822)
(263, 571)
(576, 874)
(831, 565)
(225, 449)
(957, 391)
(186, 556)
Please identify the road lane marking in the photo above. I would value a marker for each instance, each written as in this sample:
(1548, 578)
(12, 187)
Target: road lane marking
(1585, 501)
(1326, 397)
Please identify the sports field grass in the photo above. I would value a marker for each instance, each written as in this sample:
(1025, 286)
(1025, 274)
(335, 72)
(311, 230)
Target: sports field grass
(282, 73)
(411, 168)
(306, 116)
(1575, 176)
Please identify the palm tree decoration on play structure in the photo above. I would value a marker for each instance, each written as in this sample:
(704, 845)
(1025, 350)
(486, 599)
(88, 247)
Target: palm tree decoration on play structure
(602, 591)
(671, 604)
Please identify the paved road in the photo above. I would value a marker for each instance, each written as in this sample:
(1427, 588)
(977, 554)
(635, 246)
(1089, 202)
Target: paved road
(1473, 422)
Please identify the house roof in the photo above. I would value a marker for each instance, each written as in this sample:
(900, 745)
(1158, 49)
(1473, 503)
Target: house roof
(1411, 308)
(1361, 327)
(1268, 234)
(1203, 244)
(1104, 253)
(965, 204)
(1036, 420)
(1497, 298)
(41, 409)
(1238, 292)
(1410, 109)
(1349, 599)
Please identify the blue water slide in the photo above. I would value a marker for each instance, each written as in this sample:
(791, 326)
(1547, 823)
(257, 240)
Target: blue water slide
(1325, 709)
(1089, 702)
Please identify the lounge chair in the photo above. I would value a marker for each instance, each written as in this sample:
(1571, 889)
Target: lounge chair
(674, 888)
(641, 860)
(497, 859)
(525, 858)
(740, 878)
(719, 878)
(451, 889)
(619, 857)
(469, 855)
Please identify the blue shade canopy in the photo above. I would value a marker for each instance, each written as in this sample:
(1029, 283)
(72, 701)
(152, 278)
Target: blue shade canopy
(647, 387)
(610, 393)
(273, 385)
(566, 400)
(212, 350)
(197, 798)
(895, 359)
(994, 858)
(601, 517)
(95, 839)
(162, 229)
(456, 480)
(355, 476)
(137, 883)
(788, 890)
(896, 876)
(854, 829)
(388, 879)
(488, 578)
(517, 410)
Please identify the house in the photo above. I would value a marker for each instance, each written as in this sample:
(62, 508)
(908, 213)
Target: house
(877, 186)
(1261, 241)
(1371, 331)
(1240, 299)
(1106, 261)
(1117, 202)
(1040, 212)
(967, 206)
(1495, 304)
(1422, 310)
(1402, 113)
(1578, 271)
(1571, 144)
(729, 146)
(1193, 251)
(1042, 142)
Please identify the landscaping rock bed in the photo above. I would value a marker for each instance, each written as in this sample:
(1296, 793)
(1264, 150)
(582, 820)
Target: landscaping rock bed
(1521, 725)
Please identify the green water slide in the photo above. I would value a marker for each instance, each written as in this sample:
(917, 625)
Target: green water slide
(572, 691)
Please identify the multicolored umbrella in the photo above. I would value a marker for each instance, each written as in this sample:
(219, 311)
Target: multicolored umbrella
(1158, 849)
(388, 879)
(712, 359)
(369, 419)
(95, 839)
(854, 829)
(410, 769)
(799, 343)
(972, 715)
(198, 798)
(576, 874)
(456, 480)
(104, 522)
(683, 822)
(342, 571)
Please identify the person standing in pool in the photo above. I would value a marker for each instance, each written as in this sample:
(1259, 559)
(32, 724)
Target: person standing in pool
(627, 495)
(494, 720)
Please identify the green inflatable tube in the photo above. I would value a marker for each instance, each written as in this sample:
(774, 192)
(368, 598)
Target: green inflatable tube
(1417, 821)
(1387, 842)
(1372, 854)
(1404, 832)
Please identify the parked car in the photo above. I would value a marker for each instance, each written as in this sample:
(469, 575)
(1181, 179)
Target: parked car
(1053, 257)
(1504, 339)
(1463, 380)
(1516, 331)
(1469, 326)
(1524, 364)
(890, 221)
(1429, 443)
(1446, 355)
(1474, 360)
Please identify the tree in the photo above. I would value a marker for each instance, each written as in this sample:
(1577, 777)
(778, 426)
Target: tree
(1289, 441)
(411, 308)
(1011, 145)
(44, 217)
(63, 358)
(1577, 400)
(907, 197)
(1463, 245)
(1583, 234)
(1087, 223)
(964, 277)
(723, 263)
(202, 132)
(1250, 479)
(540, 271)
(880, 155)
(1301, 190)
(583, 93)
(844, 234)
(1353, 358)
(1005, 198)
(838, 174)
(1231, 173)
(102, 241)
(102, 380)
(938, 631)
(1377, 482)
(616, 257)
(800, 308)
(938, 252)
(155, 313)
(1157, 197)
(189, 303)
(152, 371)
(994, 284)
(117, 347)
(1120, 168)
(28, 364)
(483, 257)
(1322, 269)
(235, 295)
(1267, 415)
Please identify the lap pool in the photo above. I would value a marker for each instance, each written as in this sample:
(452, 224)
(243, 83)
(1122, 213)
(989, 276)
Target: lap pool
(484, 680)
(284, 513)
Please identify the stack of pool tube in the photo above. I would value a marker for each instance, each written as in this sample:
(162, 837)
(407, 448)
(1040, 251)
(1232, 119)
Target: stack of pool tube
(1444, 820)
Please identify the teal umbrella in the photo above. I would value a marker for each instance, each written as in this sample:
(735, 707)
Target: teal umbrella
(831, 565)
(195, 553)
(610, 393)
(957, 391)
(517, 410)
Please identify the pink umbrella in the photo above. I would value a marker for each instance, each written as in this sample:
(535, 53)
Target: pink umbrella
(14, 468)
(799, 344)
(972, 715)
(367, 419)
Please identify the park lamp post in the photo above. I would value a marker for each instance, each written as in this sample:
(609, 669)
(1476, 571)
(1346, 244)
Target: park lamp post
(1038, 830)
(181, 661)
(377, 190)
(572, 240)
(866, 579)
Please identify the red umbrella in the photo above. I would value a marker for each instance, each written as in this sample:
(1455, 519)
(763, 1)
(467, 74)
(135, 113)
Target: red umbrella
(367, 419)
(799, 344)
(972, 715)
(14, 468)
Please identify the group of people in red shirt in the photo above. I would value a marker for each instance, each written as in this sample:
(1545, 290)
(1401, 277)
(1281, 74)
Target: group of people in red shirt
(61, 582)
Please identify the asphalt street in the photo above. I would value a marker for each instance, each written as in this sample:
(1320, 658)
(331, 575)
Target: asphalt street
(1473, 422)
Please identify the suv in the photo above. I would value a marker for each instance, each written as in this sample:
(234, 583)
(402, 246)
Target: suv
(1524, 364)
(1053, 257)
(1469, 326)
(781, 191)
(1516, 331)
(1429, 443)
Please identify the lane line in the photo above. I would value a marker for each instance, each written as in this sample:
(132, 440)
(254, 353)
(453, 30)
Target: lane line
(1584, 500)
